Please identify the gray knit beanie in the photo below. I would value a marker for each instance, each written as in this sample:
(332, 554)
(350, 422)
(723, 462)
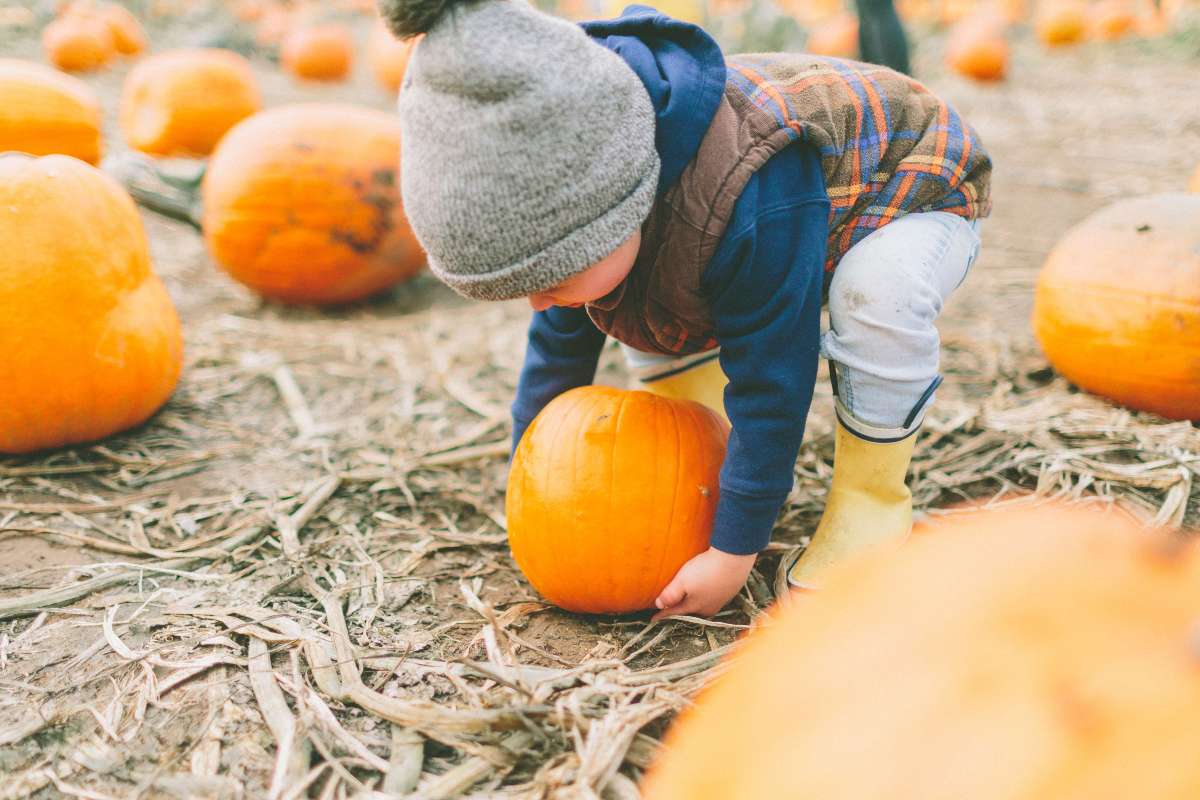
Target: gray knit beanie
(527, 150)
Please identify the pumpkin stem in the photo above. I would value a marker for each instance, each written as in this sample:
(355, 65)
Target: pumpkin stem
(171, 189)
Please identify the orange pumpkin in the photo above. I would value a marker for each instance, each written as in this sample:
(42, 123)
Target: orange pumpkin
(320, 52)
(78, 43)
(1040, 655)
(1060, 22)
(837, 36)
(1117, 308)
(128, 36)
(92, 343)
(44, 111)
(610, 493)
(182, 102)
(301, 204)
(976, 48)
(1194, 185)
(388, 56)
(1113, 19)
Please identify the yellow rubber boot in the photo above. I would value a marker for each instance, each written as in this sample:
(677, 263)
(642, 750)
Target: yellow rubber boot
(869, 505)
(703, 382)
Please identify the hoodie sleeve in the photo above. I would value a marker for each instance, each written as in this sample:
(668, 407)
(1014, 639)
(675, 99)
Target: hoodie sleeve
(562, 353)
(765, 284)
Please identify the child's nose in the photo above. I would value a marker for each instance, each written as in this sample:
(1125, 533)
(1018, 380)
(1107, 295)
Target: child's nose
(540, 302)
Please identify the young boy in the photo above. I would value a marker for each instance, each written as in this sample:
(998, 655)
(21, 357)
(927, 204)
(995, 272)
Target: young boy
(630, 181)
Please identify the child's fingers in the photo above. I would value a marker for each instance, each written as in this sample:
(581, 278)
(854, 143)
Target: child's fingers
(672, 595)
(668, 612)
(686, 606)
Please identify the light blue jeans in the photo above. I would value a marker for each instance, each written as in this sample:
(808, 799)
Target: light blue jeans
(882, 343)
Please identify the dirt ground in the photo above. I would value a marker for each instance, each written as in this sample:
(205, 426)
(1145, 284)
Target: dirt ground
(314, 460)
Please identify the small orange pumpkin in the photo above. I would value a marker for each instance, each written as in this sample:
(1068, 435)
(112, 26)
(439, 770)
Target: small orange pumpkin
(44, 111)
(976, 48)
(1040, 655)
(1060, 22)
(302, 204)
(92, 343)
(388, 56)
(182, 102)
(1117, 308)
(318, 52)
(78, 43)
(128, 36)
(610, 493)
(837, 36)
(1113, 19)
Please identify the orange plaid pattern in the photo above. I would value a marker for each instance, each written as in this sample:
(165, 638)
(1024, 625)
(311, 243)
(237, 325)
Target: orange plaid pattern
(888, 145)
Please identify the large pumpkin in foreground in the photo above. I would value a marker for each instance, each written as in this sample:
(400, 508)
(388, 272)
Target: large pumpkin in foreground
(610, 493)
(302, 204)
(1117, 309)
(44, 111)
(89, 340)
(1040, 655)
(181, 102)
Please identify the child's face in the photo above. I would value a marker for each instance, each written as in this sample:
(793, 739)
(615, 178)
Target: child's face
(594, 282)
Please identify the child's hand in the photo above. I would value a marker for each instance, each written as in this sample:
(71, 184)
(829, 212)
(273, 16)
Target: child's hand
(704, 585)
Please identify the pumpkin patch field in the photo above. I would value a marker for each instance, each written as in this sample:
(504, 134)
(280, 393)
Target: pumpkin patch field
(259, 534)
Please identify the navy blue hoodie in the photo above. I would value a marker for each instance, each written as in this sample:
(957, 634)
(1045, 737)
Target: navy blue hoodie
(764, 282)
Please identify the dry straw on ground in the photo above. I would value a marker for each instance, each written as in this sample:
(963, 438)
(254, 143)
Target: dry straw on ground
(330, 631)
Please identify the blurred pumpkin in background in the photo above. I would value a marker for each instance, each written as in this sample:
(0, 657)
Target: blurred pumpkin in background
(181, 102)
(318, 51)
(129, 38)
(837, 36)
(1117, 304)
(1060, 22)
(78, 43)
(44, 111)
(976, 47)
(302, 204)
(388, 56)
(1112, 19)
